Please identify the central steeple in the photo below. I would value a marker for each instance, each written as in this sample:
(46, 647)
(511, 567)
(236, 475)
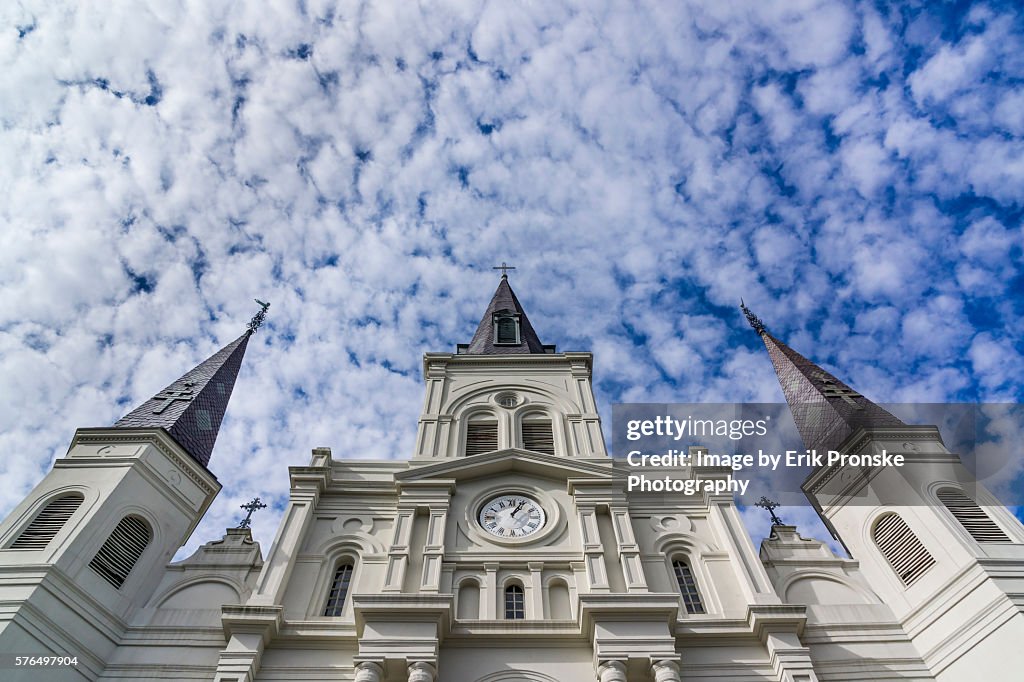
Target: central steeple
(504, 328)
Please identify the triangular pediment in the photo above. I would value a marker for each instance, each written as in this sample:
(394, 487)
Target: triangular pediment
(510, 459)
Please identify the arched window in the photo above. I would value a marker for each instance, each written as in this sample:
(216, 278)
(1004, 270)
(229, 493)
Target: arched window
(122, 549)
(687, 587)
(537, 434)
(972, 517)
(515, 603)
(901, 548)
(339, 589)
(481, 434)
(48, 522)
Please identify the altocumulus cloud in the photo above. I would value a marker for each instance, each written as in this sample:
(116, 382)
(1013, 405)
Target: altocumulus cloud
(854, 170)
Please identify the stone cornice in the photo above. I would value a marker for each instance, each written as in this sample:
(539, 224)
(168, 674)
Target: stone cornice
(159, 438)
(265, 621)
(501, 460)
(514, 361)
(860, 439)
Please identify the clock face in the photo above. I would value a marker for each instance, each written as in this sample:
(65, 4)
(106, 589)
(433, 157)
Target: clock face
(512, 516)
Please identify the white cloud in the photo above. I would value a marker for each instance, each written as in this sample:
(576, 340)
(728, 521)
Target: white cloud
(362, 168)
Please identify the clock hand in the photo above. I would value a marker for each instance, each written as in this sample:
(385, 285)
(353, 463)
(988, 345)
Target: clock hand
(517, 509)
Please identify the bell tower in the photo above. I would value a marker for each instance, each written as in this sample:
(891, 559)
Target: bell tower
(506, 389)
(90, 542)
(937, 547)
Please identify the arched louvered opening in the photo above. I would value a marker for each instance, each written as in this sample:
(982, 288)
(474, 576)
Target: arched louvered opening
(122, 550)
(687, 587)
(537, 434)
(48, 522)
(901, 548)
(339, 589)
(972, 517)
(515, 603)
(481, 435)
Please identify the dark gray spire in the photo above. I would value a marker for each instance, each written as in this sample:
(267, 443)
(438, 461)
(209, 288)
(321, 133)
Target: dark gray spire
(191, 408)
(825, 409)
(504, 318)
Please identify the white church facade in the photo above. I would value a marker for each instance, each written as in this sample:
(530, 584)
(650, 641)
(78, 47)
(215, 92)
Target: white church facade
(504, 549)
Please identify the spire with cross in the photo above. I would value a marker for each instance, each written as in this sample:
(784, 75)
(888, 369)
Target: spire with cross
(250, 506)
(826, 411)
(504, 329)
(191, 409)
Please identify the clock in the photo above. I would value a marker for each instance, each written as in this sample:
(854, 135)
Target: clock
(512, 516)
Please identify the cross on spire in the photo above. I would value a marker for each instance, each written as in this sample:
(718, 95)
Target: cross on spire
(251, 507)
(504, 267)
(257, 320)
(753, 319)
(765, 503)
(184, 395)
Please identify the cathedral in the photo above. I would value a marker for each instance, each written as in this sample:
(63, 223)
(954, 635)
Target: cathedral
(504, 548)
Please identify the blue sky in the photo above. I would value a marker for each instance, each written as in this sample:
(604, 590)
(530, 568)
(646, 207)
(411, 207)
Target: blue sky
(854, 171)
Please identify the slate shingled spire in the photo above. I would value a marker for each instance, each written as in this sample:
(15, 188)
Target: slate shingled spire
(504, 309)
(191, 408)
(825, 409)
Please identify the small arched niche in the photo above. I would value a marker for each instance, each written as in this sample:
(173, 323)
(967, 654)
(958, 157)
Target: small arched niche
(559, 605)
(468, 600)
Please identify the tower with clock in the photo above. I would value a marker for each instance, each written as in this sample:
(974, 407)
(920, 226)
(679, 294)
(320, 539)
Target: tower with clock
(504, 549)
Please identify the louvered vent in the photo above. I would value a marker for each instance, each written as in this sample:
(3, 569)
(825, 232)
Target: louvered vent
(481, 437)
(507, 332)
(972, 517)
(537, 436)
(48, 523)
(122, 549)
(901, 548)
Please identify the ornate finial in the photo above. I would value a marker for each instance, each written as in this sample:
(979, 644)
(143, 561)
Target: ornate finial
(765, 503)
(251, 507)
(504, 269)
(257, 320)
(753, 319)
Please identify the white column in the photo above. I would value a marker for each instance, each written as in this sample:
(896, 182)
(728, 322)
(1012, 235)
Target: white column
(536, 595)
(398, 554)
(611, 671)
(593, 551)
(629, 550)
(368, 671)
(421, 671)
(433, 551)
(490, 596)
(665, 671)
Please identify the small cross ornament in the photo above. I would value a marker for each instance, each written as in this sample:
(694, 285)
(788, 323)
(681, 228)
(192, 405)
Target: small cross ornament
(830, 389)
(251, 507)
(184, 395)
(765, 503)
(504, 267)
